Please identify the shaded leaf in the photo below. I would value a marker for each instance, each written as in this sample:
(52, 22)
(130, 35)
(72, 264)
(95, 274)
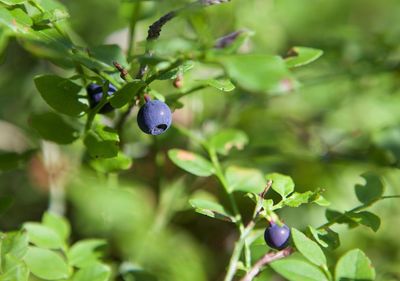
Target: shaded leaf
(14, 160)
(354, 265)
(371, 191)
(54, 128)
(308, 248)
(366, 218)
(191, 162)
(61, 94)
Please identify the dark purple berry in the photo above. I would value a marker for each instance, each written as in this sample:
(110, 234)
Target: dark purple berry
(276, 236)
(95, 93)
(154, 117)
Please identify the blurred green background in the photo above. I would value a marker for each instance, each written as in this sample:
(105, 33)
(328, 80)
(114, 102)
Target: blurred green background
(341, 121)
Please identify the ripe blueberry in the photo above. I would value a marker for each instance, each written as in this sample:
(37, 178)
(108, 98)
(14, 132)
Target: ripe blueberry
(154, 117)
(276, 236)
(95, 93)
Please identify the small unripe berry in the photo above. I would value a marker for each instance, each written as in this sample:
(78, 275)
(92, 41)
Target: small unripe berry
(277, 237)
(154, 117)
(95, 93)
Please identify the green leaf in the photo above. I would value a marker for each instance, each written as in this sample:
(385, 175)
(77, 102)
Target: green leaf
(43, 236)
(49, 17)
(172, 74)
(245, 179)
(12, 2)
(46, 264)
(109, 165)
(126, 93)
(354, 265)
(321, 200)
(191, 162)
(102, 142)
(54, 128)
(308, 248)
(371, 191)
(14, 269)
(326, 237)
(85, 253)
(58, 223)
(13, 160)
(298, 270)
(366, 218)
(94, 272)
(16, 21)
(282, 184)
(49, 44)
(339, 217)
(299, 56)
(225, 140)
(224, 85)
(61, 94)
(14, 244)
(211, 209)
(297, 199)
(258, 73)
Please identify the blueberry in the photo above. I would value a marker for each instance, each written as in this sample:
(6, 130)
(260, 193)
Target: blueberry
(154, 117)
(95, 93)
(276, 236)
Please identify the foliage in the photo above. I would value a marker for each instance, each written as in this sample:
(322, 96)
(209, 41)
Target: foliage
(256, 120)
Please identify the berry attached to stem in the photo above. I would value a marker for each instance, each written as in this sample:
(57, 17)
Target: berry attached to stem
(95, 94)
(277, 237)
(154, 117)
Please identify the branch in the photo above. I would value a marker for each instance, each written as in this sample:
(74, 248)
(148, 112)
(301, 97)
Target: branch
(266, 259)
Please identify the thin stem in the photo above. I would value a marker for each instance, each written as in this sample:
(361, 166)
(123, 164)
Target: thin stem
(266, 259)
(233, 262)
(221, 177)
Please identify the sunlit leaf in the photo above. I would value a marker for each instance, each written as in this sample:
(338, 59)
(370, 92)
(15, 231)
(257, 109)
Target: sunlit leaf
(245, 179)
(191, 162)
(298, 270)
(299, 56)
(211, 209)
(282, 184)
(46, 264)
(308, 248)
(225, 140)
(354, 265)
